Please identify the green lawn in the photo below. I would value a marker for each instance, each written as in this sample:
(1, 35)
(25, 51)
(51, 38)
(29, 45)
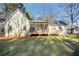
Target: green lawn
(40, 46)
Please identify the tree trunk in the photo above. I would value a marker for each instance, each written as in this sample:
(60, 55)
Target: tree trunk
(72, 29)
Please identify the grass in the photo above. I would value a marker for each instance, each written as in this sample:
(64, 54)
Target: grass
(39, 46)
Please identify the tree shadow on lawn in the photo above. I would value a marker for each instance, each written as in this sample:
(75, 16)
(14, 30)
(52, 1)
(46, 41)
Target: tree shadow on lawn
(77, 36)
(34, 47)
(30, 47)
(50, 48)
(74, 36)
(73, 45)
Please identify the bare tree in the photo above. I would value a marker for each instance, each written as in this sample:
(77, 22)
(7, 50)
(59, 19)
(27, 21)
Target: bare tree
(72, 12)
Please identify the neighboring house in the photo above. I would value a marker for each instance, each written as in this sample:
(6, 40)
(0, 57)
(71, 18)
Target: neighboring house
(75, 29)
(2, 31)
(17, 24)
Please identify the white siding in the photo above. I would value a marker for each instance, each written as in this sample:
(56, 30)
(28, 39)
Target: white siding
(17, 21)
(55, 29)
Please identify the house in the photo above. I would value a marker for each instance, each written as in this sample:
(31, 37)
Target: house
(75, 29)
(17, 24)
(47, 25)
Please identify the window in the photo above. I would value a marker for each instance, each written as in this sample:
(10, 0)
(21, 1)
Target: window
(24, 28)
(32, 29)
(41, 26)
(10, 28)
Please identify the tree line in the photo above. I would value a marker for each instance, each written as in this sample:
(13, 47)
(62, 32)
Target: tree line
(10, 7)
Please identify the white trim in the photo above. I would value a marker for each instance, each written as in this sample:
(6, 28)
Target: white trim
(13, 14)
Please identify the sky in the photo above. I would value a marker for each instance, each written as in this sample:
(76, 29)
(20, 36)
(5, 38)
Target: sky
(39, 9)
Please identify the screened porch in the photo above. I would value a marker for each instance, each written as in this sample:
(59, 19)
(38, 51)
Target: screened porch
(38, 27)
